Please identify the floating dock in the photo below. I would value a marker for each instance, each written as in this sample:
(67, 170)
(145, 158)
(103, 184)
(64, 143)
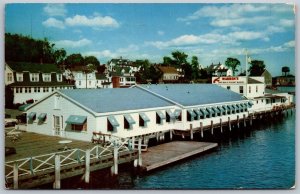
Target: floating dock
(167, 153)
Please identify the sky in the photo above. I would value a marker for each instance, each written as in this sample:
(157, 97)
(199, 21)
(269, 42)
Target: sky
(212, 32)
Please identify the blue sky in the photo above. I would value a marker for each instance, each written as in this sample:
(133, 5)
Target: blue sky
(212, 32)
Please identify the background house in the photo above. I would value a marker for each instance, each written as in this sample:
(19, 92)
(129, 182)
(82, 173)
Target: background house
(169, 74)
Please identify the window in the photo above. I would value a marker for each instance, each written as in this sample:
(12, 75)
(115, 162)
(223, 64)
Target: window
(26, 90)
(249, 89)
(79, 128)
(45, 89)
(29, 89)
(35, 89)
(241, 89)
(228, 87)
(19, 77)
(47, 77)
(34, 77)
(59, 77)
(9, 77)
(38, 89)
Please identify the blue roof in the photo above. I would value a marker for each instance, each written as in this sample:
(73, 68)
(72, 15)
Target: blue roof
(194, 94)
(115, 99)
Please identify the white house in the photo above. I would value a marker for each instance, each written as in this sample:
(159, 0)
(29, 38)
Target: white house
(146, 110)
(103, 81)
(31, 81)
(219, 70)
(169, 74)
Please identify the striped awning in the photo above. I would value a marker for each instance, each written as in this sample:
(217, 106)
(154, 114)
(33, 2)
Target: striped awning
(204, 111)
(198, 112)
(144, 117)
(210, 111)
(245, 106)
(23, 107)
(113, 121)
(31, 115)
(177, 113)
(222, 109)
(129, 119)
(230, 107)
(160, 114)
(76, 119)
(191, 112)
(169, 112)
(42, 116)
(226, 107)
(250, 103)
(233, 107)
(216, 110)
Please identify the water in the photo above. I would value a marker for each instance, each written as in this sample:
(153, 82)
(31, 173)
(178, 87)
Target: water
(286, 88)
(263, 158)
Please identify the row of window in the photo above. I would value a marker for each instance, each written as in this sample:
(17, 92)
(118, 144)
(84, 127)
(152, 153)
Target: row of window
(34, 77)
(241, 89)
(38, 89)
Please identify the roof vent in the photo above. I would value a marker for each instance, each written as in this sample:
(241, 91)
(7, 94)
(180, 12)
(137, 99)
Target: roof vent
(188, 92)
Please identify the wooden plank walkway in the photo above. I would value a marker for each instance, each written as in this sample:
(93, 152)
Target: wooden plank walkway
(167, 153)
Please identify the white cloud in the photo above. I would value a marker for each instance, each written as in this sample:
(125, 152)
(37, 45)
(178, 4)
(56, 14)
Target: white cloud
(72, 44)
(54, 23)
(95, 21)
(221, 22)
(55, 9)
(286, 23)
(129, 49)
(101, 54)
(160, 32)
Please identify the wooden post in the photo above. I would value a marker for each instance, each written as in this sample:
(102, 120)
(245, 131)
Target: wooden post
(238, 121)
(212, 127)
(57, 172)
(171, 135)
(87, 166)
(221, 127)
(251, 120)
(229, 124)
(191, 131)
(140, 152)
(157, 136)
(115, 166)
(244, 120)
(201, 127)
(16, 176)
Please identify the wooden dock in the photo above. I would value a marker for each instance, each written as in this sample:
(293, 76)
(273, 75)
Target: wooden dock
(167, 153)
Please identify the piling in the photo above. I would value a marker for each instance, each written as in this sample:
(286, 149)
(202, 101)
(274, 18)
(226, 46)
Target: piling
(191, 131)
(57, 172)
(201, 127)
(171, 135)
(140, 152)
(212, 127)
(229, 124)
(221, 126)
(238, 121)
(16, 176)
(244, 120)
(87, 166)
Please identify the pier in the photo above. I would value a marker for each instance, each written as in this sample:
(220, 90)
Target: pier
(167, 153)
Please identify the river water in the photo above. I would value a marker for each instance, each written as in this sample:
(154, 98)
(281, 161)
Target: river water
(260, 158)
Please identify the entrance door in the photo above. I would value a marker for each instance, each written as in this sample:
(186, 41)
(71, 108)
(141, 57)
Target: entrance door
(56, 125)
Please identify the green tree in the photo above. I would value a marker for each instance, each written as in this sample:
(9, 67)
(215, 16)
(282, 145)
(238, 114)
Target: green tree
(74, 60)
(101, 68)
(256, 68)
(154, 74)
(232, 63)
(60, 56)
(195, 67)
(91, 60)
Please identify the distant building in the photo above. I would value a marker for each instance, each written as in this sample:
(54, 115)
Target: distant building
(32, 81)
(169, 74)
(81, 78)
(218, 70)
(268, 78)
(288, 80)
(114, 64)
(103, 81)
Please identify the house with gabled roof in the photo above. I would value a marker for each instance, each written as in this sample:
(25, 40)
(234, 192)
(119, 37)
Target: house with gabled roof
(146, 111)
(33, 81)
(169, 74)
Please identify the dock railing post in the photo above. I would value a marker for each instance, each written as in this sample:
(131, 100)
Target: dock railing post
(57, 172)
(201, 127)
(140, 152)
(238, 121)
(87, 166)
(251, 120)
(229, 124)
(115, 166)
(212, 127)
(16, 175)
(221, 125)
(191, 131)
(244, 120)
(171, 134)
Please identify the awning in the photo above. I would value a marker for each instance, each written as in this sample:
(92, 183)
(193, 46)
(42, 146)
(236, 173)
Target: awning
(144, 117)
(169, 112)
(233, 107)
(230, 107)
(31, 115)
(160, 114)
(204, 111)
(22, 107)
(210, 111)
(222, 109)
(76, 119)
(198, 112)
(250, 103)
(42, 116)
(216, 110)
(192, 113)
(113, 121)
(245, 106)
(226, 107)
(177, 113)
(129, 119)
(238, 107)
(241, 107)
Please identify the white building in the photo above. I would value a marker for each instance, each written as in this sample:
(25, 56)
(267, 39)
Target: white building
(117, 63)
(219, 70)
(147, 110)
(169, 73)
(103, 81)
(31, 81)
